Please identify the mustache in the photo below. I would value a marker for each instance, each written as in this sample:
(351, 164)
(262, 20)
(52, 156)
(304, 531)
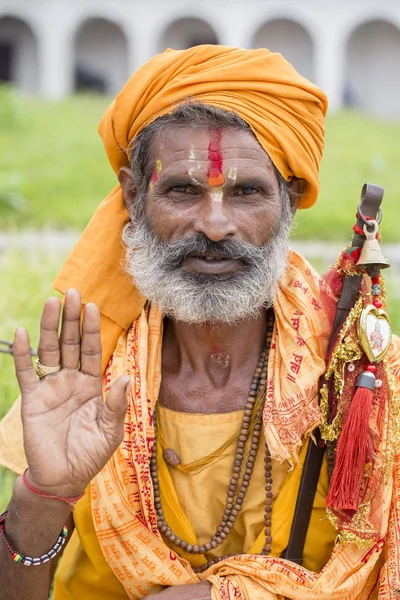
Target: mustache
(200, 245)
(157, 268)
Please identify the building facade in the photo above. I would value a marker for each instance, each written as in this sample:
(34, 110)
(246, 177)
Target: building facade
(351, 48)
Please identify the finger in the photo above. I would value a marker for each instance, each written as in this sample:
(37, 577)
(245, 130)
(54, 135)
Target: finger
(23, 361)
(115, 406)
(116, 401)
(49, 349)
(70, 336)
(91, 344)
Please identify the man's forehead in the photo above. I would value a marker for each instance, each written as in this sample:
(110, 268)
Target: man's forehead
(200, 144)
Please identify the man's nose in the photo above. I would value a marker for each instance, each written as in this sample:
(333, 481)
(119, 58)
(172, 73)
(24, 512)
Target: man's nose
(215, 218)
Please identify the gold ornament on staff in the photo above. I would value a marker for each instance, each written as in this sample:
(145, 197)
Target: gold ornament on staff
(374, 332)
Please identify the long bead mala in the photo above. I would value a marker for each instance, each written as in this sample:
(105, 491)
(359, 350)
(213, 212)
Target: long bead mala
(233, 504)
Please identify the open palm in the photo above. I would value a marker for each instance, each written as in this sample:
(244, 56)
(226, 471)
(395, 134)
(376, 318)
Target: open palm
(69, 432)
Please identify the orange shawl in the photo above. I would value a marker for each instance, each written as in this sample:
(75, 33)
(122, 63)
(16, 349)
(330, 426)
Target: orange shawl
(122, 496)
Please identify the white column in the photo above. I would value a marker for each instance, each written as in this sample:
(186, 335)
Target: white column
(234, 21)
(142, 46)
(329, 61)
(144, 32)
(55, 59)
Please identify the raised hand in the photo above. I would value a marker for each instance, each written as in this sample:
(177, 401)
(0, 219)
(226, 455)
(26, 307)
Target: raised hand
(69, 433)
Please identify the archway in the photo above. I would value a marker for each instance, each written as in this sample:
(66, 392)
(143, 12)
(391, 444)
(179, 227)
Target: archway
(290, 39)
(101, 56)
(372, 69)
(19, 62)
(187, 32)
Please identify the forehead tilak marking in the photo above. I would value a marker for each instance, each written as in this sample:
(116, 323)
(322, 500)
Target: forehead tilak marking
(196, 166)
(214, 173)
(217, 194)
(232, 174)
(154, 177)
(192, 154)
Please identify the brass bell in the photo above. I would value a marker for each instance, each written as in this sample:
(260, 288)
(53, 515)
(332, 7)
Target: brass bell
(371, 252)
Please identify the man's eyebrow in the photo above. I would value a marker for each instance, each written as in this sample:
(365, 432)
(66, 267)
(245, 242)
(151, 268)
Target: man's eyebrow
(250, 180)
(176, 180)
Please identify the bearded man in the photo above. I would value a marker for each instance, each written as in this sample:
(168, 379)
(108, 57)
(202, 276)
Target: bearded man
(183, 388)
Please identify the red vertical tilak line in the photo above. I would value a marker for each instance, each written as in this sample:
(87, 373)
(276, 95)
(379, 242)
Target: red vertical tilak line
(214, 173)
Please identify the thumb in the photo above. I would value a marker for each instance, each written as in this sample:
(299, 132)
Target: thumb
(116, 401)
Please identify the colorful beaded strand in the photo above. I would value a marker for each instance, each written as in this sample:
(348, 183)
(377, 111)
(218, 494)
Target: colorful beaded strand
(28, 561)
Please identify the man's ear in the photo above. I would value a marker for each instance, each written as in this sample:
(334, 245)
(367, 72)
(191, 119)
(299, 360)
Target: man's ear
(296, 188)
(125, 178)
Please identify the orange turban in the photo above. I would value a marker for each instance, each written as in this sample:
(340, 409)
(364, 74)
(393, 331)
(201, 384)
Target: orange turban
(284, 110)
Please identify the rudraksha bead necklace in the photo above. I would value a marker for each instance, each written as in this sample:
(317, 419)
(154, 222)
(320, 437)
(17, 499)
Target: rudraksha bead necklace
(233, 504)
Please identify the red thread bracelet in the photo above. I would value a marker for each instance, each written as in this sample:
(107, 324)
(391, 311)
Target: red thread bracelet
(70, 501)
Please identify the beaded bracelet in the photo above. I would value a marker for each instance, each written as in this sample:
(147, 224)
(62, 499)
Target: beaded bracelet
(28, 561)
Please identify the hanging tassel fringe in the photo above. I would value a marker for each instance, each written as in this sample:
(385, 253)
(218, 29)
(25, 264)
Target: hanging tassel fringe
(345, 487)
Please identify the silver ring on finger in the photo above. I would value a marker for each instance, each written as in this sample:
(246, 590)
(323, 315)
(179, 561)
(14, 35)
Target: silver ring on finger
(43, 370)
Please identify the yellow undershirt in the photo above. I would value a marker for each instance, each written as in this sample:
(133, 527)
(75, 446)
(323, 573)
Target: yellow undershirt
(202, 496)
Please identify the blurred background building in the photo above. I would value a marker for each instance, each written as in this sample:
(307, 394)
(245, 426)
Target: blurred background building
(350, 48)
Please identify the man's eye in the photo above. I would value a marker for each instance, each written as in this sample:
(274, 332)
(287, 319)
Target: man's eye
(247, 191)
(182, 189)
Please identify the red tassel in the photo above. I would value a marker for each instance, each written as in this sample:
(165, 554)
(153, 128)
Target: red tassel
(345, 487)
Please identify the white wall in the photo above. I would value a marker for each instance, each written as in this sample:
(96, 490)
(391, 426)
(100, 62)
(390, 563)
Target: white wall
(147, 28)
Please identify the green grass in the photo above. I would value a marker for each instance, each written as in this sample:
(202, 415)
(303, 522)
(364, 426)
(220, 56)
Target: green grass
(359, 149)
(54, 171)
(53, 163)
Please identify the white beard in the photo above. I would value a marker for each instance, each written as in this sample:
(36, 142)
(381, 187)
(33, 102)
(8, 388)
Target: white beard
(158, 272)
